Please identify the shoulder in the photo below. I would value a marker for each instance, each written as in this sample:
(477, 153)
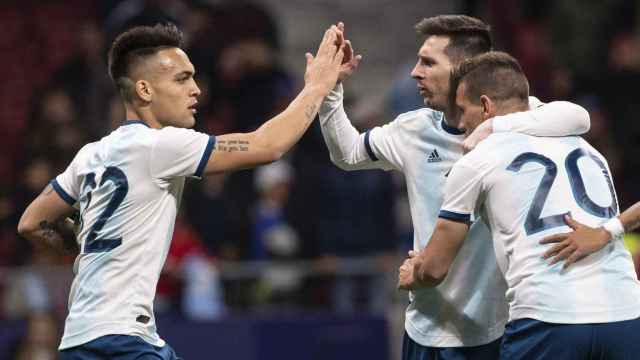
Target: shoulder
(491, 150)
(418, 119)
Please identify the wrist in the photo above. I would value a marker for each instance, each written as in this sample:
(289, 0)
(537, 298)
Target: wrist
(614, 228)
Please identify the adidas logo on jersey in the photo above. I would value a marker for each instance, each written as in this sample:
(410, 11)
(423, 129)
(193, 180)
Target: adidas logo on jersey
(434, 156)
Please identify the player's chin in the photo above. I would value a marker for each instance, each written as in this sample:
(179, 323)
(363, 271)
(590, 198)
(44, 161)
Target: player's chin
(189, 121)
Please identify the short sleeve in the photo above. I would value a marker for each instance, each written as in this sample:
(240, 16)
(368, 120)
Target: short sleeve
(461, 194)
(180, 152)
(67, 184)
(382, 144)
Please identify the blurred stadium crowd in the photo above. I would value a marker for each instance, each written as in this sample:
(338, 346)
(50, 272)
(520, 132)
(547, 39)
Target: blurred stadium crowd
(297, 234)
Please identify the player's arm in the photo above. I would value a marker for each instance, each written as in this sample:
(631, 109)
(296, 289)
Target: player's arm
(430, 266)
(585, 240)
(557, 118)
(348, 148)
(275, 137)
(46, 219)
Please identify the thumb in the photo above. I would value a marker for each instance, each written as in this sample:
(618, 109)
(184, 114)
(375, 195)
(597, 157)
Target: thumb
(572, 223)
(309, 58)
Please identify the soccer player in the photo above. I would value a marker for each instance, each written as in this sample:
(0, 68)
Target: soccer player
(522, 186)
(129, 184)
(585, 240)
(464, 317)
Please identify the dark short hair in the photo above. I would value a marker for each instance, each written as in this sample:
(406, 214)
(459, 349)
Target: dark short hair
(495, 74)
(468, 36)
(135, 45)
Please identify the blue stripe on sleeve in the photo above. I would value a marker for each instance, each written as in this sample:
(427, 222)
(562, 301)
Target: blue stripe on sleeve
(63, 194)
(454, 216)
(205, 156)
(367, 146)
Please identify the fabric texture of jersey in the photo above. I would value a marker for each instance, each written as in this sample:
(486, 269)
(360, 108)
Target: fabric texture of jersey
(522, 185)
(128, 186)
(468, 308)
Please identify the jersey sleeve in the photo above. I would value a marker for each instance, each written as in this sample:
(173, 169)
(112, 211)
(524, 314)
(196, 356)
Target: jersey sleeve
(383, 144)
(180, 152)
(558, 118)
(349, 149)
(461, 194)
(67, 184)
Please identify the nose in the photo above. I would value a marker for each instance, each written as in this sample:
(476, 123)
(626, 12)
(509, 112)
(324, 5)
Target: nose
(416, 73)
(196, 90)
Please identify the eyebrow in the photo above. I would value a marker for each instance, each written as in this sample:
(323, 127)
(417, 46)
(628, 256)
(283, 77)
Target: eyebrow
(187, 73)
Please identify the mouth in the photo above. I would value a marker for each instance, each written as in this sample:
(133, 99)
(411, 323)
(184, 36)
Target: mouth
(193, 107)
(423, 91)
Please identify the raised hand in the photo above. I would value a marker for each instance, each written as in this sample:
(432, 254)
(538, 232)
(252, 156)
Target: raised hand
(349, 62)
(323, 69)
(575, 245)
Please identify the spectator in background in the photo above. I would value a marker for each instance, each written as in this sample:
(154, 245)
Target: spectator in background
(273, 236)
(85, 81)
(189, 279)
(358, 220)
(41, 340)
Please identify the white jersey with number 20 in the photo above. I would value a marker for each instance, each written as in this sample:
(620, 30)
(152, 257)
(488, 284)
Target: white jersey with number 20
(522, 186)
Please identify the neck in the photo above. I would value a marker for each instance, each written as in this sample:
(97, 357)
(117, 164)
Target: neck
(511, 106)
(451, 119)
(135, 113)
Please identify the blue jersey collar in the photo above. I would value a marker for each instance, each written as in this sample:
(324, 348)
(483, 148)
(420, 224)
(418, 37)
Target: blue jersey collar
(450, 129)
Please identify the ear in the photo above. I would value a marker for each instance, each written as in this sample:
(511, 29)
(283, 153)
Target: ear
(144, 90)
(488, 107)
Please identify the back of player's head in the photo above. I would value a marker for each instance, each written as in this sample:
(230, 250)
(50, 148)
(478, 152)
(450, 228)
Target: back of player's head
(495, 74)
(133, 46)
(468, 36)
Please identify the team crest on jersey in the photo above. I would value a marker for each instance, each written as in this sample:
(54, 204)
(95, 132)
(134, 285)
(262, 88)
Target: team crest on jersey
(434, 156)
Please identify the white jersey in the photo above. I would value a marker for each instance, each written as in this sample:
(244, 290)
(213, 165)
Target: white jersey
(523, 185)
(128, 186)
(468, 308)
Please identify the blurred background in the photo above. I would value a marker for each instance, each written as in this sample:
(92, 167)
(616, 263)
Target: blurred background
(296, 259)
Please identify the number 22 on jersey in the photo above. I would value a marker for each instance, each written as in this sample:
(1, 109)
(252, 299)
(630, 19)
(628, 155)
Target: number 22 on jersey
(94, 242)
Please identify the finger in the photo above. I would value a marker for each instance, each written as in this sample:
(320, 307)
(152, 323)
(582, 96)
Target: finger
(341, 26)
(556, 238)
(412, 253)
(327, 43)
(339, 35)
(572, 223)
(554, 250)
(563, 255)
(339, 55)
(309, 58)
(576, 256)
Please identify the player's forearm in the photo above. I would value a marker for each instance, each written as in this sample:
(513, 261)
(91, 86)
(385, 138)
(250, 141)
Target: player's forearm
(630, 218)
(57, 235)
(558, 118)
(279, 134)
(342, 138)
